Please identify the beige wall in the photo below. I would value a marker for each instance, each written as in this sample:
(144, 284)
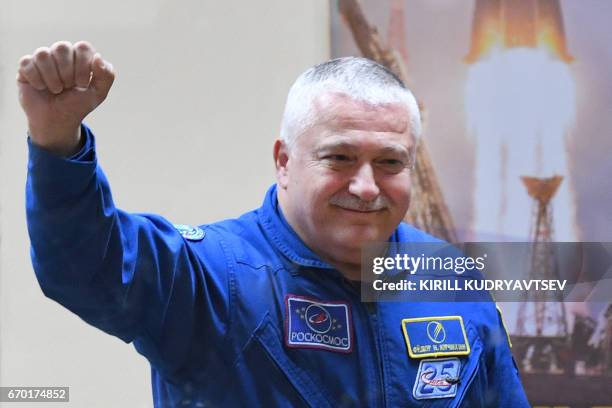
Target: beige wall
(186, 132)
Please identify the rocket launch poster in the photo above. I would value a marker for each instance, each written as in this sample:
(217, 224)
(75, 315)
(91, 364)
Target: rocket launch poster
(516, 100)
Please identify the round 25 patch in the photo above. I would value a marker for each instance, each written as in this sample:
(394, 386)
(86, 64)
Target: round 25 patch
(437, 378)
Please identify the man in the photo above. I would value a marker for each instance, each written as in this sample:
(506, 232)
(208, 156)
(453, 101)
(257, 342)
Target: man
(261, 310)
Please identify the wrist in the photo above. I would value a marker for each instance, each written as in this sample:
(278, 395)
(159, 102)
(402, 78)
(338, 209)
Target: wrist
(62, 142)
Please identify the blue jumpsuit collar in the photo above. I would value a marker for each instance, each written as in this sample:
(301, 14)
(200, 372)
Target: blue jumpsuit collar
(284, 237)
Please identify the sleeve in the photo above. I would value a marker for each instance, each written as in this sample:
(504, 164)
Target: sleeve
(504, 384)
(133, 276)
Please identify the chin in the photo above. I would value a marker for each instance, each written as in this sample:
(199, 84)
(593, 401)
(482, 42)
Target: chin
(358, 236)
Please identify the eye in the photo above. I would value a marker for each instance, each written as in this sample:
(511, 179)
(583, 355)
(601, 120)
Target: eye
(392, 162)
(338, 157)
(338, 161)
(391, 165)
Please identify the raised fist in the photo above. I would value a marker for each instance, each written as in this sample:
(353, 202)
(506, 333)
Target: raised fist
(58, 87)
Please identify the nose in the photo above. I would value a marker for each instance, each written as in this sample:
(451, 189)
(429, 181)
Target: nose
(363, 184)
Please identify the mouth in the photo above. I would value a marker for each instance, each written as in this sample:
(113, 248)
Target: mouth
(357, 211)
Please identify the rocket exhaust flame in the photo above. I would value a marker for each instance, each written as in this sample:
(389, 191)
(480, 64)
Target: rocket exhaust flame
(520, 103)
(518, 23)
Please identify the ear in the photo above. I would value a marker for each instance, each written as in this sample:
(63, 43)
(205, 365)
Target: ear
(281, 162)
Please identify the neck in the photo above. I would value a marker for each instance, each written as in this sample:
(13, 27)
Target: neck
(350, 270)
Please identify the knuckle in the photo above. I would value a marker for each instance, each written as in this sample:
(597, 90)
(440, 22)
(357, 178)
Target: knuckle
(41, 53)
(83, 46)
(25, 61)
(61, 47)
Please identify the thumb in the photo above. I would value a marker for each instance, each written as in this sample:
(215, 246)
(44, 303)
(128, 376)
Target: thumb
(103, 76)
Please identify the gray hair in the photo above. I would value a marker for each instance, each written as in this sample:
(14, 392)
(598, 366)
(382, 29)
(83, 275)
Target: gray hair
(359, 78)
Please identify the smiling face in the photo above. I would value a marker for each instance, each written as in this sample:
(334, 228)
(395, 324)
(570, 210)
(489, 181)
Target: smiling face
(346, 180)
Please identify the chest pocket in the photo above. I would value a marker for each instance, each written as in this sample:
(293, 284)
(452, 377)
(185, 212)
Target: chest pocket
(469, 390)
(274, 379)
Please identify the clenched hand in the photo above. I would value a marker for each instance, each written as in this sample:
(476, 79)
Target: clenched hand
(58, 87)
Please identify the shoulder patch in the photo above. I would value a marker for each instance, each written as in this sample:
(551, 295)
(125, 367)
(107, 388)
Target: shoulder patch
(438, 336)
(190, 233)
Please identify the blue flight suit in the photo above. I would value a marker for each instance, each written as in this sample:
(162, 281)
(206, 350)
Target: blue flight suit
(246, 314)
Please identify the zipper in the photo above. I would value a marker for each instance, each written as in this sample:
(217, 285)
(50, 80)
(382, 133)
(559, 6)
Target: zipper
(372, 312)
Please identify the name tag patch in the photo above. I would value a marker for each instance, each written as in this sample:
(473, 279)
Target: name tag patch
(311, 323)
(435, 336)
(437, 378)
